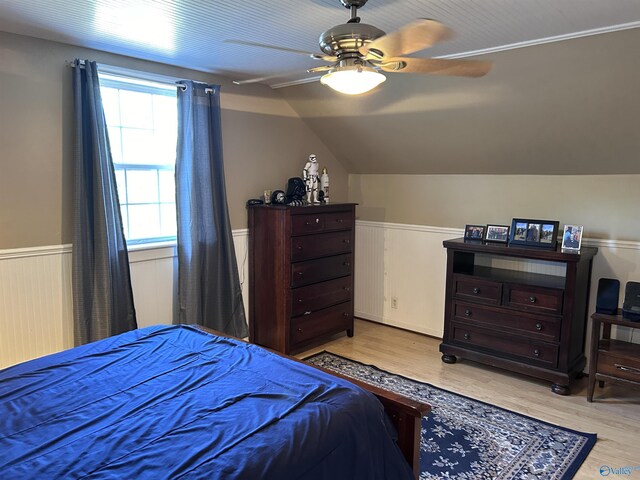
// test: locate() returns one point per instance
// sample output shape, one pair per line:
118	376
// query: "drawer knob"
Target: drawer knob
467	313
346	314
299	300
533	299
347	241
299	247
347	289
538	326
339	220
347	264
300	330
467	336
476	290
536	352
308	312
299	274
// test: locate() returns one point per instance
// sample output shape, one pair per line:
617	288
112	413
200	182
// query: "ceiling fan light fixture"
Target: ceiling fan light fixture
353	80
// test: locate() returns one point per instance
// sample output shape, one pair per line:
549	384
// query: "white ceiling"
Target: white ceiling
192	33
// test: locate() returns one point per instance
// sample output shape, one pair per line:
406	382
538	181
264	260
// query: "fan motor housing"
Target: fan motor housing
348	38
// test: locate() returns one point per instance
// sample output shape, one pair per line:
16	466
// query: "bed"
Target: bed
180	402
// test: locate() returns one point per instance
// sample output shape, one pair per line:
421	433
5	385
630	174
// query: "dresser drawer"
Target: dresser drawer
619	359
321	222
532	351
533	299
485	291
320	295
320	245
321	269
537	326
323	322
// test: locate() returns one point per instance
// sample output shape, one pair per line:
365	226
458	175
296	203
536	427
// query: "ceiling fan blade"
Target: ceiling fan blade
266	77
415	36
315	56
323	68
436	66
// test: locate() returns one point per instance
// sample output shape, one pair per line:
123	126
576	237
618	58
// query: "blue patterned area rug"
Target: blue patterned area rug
466	439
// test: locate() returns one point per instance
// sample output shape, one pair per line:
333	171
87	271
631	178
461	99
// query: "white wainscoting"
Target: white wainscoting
405	262
36	316
35	302
408	263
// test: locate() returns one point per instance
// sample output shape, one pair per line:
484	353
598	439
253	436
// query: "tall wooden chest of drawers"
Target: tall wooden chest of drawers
300	273
502	313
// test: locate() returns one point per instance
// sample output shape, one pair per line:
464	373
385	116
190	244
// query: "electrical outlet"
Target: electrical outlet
394	302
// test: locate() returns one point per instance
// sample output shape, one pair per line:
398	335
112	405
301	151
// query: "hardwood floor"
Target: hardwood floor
614	414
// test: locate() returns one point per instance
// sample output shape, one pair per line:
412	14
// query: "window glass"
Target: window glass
142	122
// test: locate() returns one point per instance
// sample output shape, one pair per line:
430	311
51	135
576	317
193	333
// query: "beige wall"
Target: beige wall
265	142
607	205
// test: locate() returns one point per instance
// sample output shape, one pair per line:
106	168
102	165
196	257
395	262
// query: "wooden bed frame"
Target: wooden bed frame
405	413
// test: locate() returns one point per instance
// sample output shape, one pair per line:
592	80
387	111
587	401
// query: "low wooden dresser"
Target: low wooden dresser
611	360
501	312
301	264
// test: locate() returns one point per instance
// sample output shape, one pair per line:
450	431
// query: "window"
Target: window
142	122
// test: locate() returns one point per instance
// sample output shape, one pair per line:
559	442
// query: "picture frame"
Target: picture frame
529	232
497	233
572	237
474	233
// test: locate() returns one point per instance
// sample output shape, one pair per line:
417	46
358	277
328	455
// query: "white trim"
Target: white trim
137	247
542	41
592	242
608	243
34	251
414	228
168	248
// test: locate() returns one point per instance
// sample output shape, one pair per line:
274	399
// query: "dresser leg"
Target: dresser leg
446	358
560	389
349	332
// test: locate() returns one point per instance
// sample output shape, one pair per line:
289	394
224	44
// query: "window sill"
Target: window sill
145	252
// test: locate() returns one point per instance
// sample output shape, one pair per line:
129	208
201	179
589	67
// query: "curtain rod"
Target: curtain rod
127	72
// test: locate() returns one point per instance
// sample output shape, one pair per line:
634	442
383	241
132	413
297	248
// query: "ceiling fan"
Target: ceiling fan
358	52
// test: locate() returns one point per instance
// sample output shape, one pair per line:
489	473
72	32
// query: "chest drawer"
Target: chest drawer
321	222
477	289
537	326
320	295
323	322
320	245
533	351
533	299
321	269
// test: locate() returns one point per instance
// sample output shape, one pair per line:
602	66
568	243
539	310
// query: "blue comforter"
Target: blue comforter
176	402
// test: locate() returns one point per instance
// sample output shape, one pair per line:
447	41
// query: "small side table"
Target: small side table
612	360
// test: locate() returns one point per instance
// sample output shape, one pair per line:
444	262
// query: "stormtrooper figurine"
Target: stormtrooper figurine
311	179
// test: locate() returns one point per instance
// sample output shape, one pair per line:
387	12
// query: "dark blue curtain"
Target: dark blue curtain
102	295
209	291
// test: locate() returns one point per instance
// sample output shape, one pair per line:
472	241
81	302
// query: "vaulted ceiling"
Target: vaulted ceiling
567	103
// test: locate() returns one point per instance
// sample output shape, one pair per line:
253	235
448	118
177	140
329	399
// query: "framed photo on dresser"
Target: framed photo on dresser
474	233
572	237
497	233
534	233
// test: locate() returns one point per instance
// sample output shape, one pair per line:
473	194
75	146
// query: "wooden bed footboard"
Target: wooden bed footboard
405	413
